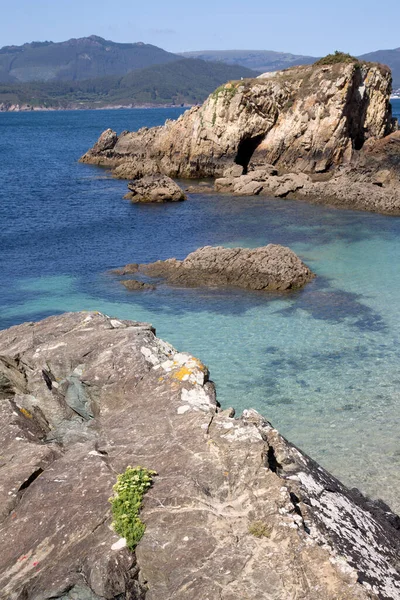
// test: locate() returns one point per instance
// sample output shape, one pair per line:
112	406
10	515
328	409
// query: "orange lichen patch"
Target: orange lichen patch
192	367
26	413
183	373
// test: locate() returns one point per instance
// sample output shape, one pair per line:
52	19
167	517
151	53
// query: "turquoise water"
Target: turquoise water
321	364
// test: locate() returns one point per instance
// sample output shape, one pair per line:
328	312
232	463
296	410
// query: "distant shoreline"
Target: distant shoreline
29	109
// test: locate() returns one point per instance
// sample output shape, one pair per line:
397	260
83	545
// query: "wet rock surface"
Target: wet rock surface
154	188
272	267
235	510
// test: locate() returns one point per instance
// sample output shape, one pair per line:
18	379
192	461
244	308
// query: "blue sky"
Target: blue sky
309	27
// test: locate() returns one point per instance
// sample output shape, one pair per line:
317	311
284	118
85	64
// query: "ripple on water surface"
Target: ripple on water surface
321	364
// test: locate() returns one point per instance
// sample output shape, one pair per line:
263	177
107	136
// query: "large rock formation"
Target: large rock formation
235	510
305	119
271	267
308	119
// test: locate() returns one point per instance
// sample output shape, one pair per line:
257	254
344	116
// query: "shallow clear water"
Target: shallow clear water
322	364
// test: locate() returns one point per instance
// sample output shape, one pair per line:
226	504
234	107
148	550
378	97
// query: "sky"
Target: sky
313	27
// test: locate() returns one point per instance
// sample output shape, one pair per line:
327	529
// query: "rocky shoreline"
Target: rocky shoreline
235	511
323	133
9	107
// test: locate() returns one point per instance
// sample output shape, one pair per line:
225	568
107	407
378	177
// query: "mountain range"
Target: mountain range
266	60
95	72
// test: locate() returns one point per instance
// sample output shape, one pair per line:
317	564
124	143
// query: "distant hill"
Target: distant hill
77	59
185	81
266	60
387	57
259	60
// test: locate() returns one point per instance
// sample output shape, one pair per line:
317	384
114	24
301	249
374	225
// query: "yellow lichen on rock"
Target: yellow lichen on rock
26	413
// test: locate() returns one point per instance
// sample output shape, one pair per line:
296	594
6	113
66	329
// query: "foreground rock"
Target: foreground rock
307	120
155	188
235	511
272	267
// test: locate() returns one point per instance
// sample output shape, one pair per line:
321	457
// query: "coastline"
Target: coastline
27	108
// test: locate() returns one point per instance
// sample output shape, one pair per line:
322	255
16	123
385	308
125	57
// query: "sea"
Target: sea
322	364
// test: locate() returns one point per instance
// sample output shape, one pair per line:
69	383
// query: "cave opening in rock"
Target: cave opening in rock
246	149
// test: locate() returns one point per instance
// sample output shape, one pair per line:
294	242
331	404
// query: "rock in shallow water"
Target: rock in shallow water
272	267
155	188
134	284
235	511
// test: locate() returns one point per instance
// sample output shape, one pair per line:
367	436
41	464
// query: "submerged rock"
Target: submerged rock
126	270
155	188
272	267
236	511
134	284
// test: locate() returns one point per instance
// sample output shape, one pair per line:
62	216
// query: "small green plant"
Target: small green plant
259	529
337	57
129	490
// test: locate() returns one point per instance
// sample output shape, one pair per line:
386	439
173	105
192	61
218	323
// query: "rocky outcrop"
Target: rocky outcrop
371	183
272	267
305	119
311	126
154	188
235	511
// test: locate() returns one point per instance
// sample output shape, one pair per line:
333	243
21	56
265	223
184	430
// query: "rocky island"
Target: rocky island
235	511
272	267
322	132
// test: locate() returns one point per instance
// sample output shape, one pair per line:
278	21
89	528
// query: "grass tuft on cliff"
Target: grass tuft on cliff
129	491
337	57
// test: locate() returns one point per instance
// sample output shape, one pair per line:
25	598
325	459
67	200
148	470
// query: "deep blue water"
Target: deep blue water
321	364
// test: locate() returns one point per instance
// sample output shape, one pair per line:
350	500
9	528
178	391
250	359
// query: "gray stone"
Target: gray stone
235	511
234	171
155	188
271	267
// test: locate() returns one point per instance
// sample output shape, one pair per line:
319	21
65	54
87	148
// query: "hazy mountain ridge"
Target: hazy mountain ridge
77	59
258	60
266	60
92	71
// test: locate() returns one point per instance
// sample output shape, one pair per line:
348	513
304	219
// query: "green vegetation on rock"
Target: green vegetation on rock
129	491
336	57
259	529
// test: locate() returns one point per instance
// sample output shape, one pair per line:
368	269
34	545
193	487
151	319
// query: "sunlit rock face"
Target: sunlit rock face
305	119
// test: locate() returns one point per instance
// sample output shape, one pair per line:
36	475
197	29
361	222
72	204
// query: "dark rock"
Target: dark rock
219	479
126	270
155	188
270	267
134	284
